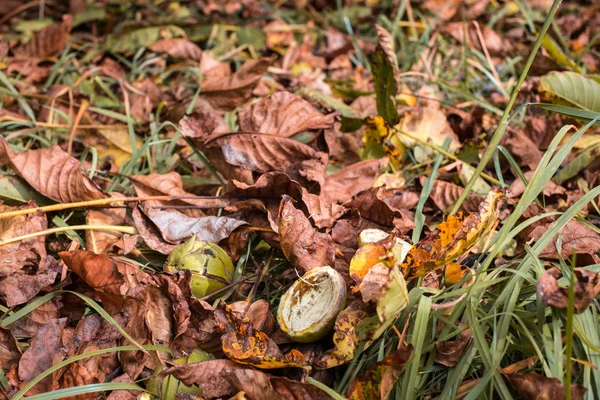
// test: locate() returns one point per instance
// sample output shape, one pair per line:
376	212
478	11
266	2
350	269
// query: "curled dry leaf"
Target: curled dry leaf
265	153
452	238
283	114
40	355
450	352
227	93
344	184
48	42
303	245
10	353
52	172
111	278
444	194
258	385
25	267
150	233
576	238
177	48
492	41
246	345
376	213
323	213
258	314
210	376
379	379
587	287
533	386
175	226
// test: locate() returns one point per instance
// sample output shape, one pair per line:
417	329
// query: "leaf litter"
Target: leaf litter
297	137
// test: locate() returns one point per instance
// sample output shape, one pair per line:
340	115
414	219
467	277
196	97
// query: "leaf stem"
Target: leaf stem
499	133
93	203
114	228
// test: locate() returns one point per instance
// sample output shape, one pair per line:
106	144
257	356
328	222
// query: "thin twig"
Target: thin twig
112	228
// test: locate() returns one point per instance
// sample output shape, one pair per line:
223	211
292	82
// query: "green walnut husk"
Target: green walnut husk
171	387
307	311
211	267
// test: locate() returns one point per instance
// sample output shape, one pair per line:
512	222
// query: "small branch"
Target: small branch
112	228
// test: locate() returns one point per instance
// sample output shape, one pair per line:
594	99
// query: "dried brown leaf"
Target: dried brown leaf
283	114
111	278
265	153
587	287
227	93
210	376
450	352
379	379
258	385
48	42
344	184
108	241
52	172
10	353
40	355
177	48
576	238
304	246
494	43
533	386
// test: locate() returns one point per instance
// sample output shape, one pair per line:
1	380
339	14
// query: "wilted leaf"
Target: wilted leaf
282	114
533	386
210	376
379	379
175	226
376	213
246	345
43	352
576	238
345	338
428	123
264	153
48	42
450	352
304	246
111	278
494	43
177	48
10	353
52	172
229	93
587	287
452	238
575	88
386	76
344	184
258	385
25	267
14	191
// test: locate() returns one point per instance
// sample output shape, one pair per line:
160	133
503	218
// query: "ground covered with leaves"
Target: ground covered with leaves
299	199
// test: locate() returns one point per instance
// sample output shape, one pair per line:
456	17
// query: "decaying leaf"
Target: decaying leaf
533	386
52	172
344	184
283	114
265	153
43	352
210	376
111	278
235	89
452	238
177	48
450	352
246	345
304	246
379	379
587	287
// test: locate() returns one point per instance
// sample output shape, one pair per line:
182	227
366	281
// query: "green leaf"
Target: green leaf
329	102
384	72
573	112
129	42
578	164
575	88
13	191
